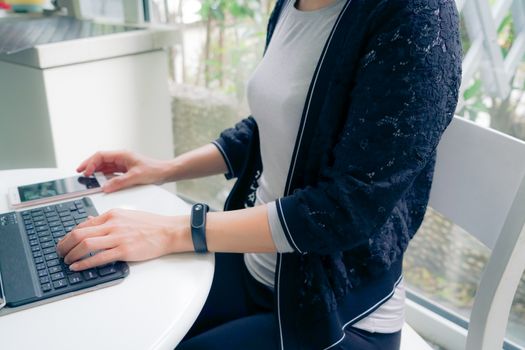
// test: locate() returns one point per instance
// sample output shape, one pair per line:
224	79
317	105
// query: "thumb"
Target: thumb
118	183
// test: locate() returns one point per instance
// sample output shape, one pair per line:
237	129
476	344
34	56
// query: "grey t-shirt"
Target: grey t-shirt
276	96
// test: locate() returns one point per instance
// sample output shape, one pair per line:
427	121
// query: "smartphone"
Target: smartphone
55	190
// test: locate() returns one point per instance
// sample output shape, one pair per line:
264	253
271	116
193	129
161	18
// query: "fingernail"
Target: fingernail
73	267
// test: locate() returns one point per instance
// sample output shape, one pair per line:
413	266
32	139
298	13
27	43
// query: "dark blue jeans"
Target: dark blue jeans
238	314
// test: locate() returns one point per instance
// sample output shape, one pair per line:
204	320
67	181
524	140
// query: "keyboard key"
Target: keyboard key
33	242
44	279
75	278
61	206
42	273
45	239
39	218
64	213
59	234
35	248
51	256
56	228
78	216
31	237
47	245
55	224
69	228
89	274
49	209
43	233
42	228
37	212
55	269
49	250
46	287
59	284
39	222
39	260
69	223
57	276
72	208
106	270
37	254
40	266
51	263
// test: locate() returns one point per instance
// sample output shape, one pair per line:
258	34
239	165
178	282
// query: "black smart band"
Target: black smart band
198	227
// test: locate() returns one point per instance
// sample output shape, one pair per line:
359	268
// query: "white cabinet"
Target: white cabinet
61	102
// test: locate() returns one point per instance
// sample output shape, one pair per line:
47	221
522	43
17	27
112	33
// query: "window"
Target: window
221	43
108	9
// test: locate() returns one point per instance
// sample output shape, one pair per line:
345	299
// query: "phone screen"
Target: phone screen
56	187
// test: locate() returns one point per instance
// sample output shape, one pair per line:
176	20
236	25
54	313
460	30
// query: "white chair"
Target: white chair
479	185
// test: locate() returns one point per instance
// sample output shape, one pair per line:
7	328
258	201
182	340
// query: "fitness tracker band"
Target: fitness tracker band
198	227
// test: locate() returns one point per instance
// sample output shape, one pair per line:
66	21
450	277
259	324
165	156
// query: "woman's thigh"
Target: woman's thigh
358	339
257	332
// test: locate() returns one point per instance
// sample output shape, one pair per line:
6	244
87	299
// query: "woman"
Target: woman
348	106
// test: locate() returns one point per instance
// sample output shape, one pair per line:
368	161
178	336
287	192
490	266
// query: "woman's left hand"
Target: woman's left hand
124	235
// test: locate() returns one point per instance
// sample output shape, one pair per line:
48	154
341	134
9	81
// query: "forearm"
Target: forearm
239	231
200	162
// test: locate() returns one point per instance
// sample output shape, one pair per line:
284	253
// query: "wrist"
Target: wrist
179	235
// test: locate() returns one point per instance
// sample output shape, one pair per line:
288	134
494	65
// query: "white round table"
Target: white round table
152	308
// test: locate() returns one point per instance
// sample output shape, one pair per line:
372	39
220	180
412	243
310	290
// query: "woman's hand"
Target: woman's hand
124	235
137	169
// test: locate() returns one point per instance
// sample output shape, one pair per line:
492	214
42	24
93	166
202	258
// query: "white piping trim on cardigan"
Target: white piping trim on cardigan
311	95
225	156
295	160
279	302
363	313
286	225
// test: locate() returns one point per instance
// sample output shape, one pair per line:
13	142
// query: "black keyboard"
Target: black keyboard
44	227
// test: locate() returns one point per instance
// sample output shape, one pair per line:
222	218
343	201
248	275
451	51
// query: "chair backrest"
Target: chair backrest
479	185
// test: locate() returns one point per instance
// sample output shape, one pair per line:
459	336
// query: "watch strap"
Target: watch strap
198	227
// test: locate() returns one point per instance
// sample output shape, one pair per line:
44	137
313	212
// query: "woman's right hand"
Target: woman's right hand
136	169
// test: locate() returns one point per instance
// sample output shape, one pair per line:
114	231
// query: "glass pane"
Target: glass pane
199	116
110	9
219	48
516	326
444	263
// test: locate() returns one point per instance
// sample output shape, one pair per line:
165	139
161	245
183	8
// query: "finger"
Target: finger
118	183
101	258
92	163
93	221
91	244
110	168
82	166
78	235
96	161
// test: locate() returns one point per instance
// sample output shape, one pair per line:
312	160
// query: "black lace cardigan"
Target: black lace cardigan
385	89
